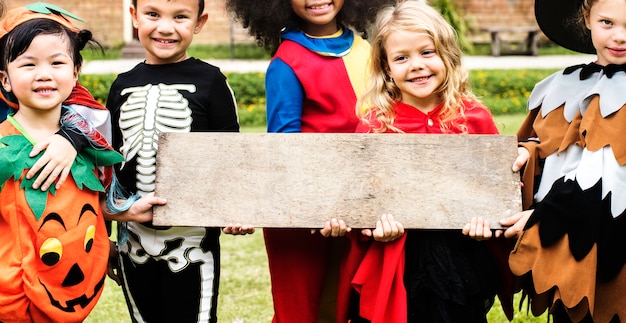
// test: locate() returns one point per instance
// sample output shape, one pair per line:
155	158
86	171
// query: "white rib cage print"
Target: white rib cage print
149	110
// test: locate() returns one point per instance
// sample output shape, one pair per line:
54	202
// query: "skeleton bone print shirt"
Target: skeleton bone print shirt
186	96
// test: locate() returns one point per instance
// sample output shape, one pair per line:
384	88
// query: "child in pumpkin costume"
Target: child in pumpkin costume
54	243
58	153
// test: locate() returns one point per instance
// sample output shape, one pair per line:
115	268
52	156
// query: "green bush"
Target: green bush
503	91
249	88
506	91
98	85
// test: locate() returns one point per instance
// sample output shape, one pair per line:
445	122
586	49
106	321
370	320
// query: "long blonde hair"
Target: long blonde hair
382	93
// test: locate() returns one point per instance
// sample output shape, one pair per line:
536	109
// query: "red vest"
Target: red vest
323	109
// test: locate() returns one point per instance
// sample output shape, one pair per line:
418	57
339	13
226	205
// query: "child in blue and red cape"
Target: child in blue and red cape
312	84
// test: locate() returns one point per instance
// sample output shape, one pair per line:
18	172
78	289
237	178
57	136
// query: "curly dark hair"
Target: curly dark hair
265	19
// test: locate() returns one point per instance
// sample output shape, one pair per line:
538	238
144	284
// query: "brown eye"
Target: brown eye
51	251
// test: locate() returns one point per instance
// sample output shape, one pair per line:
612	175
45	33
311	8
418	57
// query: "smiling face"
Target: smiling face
166	28
416	68
607	22
319	16
43	76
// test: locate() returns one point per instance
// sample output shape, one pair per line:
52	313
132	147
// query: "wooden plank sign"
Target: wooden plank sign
301	180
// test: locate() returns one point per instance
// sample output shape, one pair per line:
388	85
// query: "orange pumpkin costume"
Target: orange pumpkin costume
54	245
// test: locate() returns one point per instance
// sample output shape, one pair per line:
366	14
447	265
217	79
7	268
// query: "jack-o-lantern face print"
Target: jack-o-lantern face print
65	243
55	246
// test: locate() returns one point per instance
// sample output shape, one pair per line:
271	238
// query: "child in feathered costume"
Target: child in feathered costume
571	248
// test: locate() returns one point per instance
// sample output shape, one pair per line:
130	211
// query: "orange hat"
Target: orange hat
16	16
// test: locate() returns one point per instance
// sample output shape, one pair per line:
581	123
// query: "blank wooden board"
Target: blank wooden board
300	180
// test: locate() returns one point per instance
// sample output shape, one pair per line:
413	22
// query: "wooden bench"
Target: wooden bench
528	47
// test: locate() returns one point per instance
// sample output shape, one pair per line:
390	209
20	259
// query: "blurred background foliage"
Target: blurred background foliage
452	14
503	91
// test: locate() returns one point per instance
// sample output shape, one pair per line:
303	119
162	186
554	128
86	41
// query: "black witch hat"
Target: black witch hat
558	20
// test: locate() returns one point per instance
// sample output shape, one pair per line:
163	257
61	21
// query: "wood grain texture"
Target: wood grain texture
301	180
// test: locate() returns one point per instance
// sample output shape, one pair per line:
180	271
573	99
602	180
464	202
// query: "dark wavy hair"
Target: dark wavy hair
17	41
265	19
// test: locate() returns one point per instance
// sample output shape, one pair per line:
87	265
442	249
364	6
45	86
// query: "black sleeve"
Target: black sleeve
223	106
78	140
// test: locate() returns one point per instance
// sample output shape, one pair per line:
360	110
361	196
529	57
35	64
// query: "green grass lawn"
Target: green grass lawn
244	287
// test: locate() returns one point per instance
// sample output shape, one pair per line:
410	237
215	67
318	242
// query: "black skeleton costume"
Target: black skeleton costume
168	270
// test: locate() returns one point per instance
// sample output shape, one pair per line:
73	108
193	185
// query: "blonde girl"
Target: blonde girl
418	85
383	92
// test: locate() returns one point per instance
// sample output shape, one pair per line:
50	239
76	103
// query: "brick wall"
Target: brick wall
219	26
499	12
104	18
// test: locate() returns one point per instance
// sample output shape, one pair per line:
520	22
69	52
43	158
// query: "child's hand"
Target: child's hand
521	160
387	229
478	229
238	229
516	223
55	162
140	211
334	228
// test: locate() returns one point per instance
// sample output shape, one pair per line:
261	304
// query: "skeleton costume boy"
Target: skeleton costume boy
182	262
